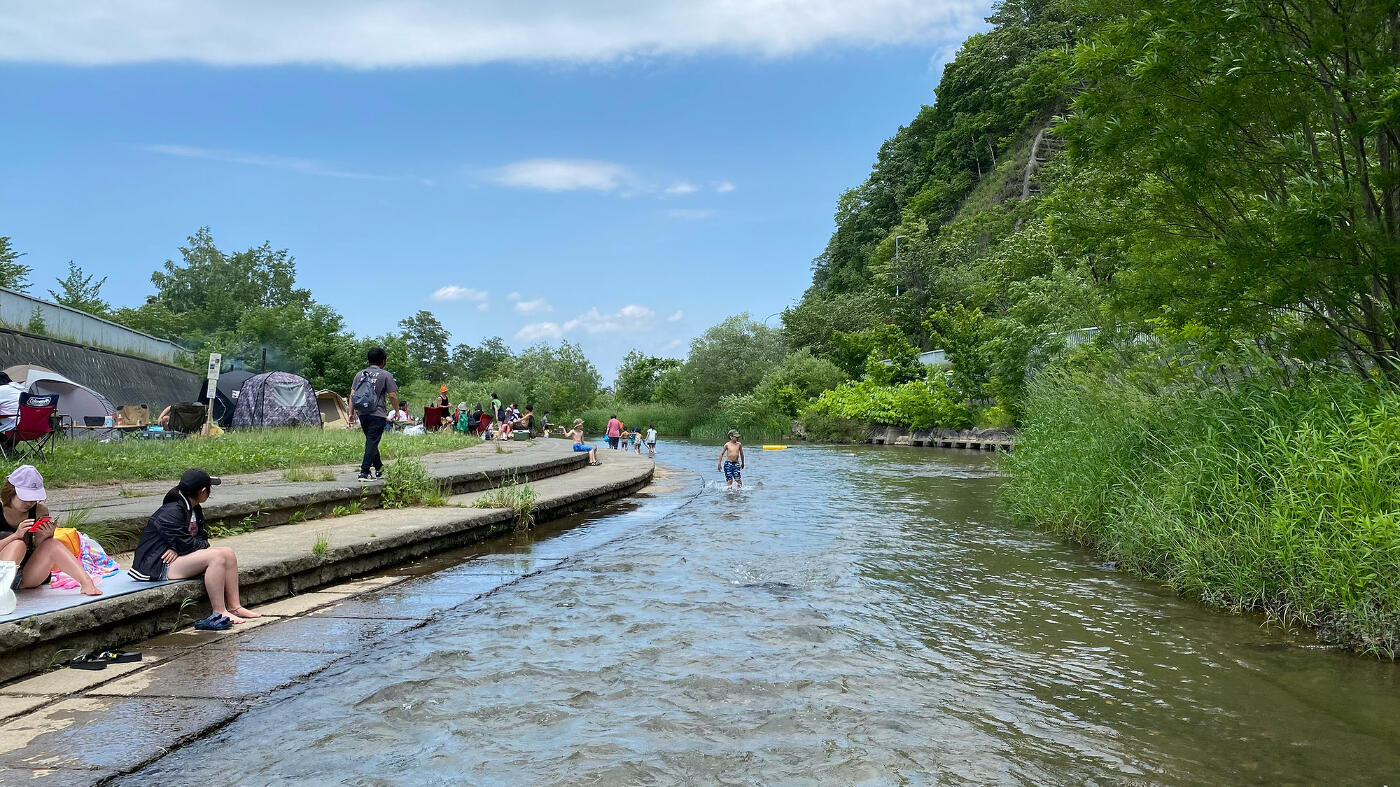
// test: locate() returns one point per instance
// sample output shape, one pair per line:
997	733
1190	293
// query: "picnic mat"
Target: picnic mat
40	600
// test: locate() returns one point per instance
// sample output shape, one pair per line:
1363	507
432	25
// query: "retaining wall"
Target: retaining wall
18	309
125	379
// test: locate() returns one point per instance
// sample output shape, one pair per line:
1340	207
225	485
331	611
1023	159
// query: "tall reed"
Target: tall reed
1245	494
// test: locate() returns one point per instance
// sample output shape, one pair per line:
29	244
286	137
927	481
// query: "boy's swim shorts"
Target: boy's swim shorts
731	471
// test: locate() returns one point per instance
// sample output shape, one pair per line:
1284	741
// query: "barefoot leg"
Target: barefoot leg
208	563
51	553
231	586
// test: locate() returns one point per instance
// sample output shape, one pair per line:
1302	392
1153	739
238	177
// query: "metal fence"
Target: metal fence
27	313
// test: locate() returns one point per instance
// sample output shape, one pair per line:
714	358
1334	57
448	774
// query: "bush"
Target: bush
1247	496
825	428
918	404
995	417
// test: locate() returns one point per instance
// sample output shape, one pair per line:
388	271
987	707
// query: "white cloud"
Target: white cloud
689	213
630	318
304	166
676	317
454	293
681	187
537	306
373	33
483	307
558	174
536	331
724	187
514	296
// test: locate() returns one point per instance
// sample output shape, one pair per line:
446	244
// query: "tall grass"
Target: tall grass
670	420
1245	494
407	483
514	494
84	461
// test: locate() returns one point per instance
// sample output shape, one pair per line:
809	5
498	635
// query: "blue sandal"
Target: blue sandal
213	623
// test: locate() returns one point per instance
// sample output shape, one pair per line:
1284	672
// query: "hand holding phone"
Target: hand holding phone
40	523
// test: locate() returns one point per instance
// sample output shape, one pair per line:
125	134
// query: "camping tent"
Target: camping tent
335	414
275	399
74	400
225	395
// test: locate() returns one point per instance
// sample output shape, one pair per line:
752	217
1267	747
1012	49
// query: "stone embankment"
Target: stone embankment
291	551
974	439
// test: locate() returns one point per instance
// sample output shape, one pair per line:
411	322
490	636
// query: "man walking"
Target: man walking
367	393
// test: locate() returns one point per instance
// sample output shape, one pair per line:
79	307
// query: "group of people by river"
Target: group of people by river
34	550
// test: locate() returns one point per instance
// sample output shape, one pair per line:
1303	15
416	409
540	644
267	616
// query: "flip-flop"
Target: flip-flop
115	657
84	662
213	623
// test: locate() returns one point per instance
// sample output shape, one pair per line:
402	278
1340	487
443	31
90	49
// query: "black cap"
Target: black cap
195	479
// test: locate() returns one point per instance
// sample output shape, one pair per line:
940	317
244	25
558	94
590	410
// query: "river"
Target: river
857	615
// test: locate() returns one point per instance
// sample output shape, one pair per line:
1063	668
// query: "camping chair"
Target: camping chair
187	418
432	418
33	435
135	414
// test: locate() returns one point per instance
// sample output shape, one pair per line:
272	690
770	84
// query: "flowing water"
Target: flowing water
855	615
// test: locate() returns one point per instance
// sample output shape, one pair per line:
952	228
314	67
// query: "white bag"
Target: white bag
416	429
7	593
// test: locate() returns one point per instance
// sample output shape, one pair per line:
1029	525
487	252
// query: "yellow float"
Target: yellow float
775	448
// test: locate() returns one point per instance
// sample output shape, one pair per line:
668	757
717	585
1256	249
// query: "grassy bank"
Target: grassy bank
1247	495
83	461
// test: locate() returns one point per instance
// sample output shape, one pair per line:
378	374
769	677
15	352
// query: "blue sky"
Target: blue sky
610	175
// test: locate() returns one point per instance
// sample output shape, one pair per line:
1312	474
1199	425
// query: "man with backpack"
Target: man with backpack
367	392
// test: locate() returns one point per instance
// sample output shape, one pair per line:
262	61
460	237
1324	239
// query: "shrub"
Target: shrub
516	495
918	404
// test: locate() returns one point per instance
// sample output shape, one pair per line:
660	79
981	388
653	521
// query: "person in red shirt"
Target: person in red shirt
614	431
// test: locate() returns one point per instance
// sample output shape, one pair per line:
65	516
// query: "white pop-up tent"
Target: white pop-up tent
74	399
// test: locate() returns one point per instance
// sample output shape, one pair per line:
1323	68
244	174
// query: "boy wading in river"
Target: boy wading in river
731	460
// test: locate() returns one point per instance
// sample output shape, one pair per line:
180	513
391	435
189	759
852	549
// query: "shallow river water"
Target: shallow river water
854	616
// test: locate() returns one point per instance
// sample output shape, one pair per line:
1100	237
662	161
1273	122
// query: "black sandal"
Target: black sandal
86	662
115	657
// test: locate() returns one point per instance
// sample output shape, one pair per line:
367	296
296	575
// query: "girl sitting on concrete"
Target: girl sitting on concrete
35	552
175	545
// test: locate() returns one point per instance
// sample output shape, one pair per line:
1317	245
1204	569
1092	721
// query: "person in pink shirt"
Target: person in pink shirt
614	431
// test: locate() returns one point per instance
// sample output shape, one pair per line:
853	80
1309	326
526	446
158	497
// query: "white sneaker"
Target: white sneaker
7	593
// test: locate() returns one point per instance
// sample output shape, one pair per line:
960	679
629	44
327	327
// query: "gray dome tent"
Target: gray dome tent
275	399
75	400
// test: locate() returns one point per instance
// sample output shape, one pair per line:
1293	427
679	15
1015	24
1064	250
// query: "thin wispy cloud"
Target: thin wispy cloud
690	214
536	306
724	187
452	292
558	174
301	165
677	316
681	188
630	318
372	33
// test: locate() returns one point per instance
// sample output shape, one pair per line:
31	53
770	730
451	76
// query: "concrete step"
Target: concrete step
266	499
278	562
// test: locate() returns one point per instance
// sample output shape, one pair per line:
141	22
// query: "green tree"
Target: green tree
638	376
730	358
77	290
13	274
427	341
559	379
209	291
489	360
1240	163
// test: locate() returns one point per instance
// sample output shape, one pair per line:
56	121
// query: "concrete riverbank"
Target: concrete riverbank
279	560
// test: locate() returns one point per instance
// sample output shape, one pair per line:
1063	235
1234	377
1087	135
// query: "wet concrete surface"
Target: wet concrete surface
319	635
404	606
219	674
105	734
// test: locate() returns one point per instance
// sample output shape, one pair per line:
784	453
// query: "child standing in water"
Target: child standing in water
731	460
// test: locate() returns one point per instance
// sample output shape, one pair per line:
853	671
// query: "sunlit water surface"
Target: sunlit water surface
854	616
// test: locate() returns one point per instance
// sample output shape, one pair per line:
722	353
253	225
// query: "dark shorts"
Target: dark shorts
612	442
731	471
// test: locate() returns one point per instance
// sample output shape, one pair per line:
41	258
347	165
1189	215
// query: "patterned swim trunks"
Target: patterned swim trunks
731	471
